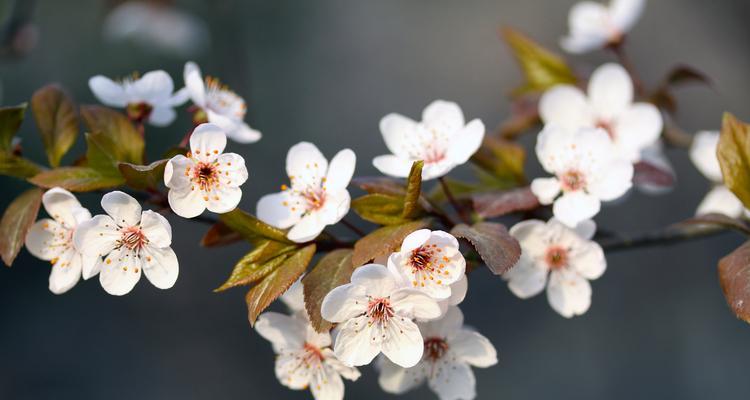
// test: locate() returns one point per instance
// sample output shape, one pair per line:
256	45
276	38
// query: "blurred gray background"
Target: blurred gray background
326	71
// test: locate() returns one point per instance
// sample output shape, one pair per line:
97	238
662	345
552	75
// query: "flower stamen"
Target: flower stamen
556	257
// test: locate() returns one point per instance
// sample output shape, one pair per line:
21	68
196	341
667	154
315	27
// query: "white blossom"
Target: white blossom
221	106
131	241
560	258
633	127
587	171
450	350
207	177
52	240
428	261
720	199
317	195
305	358
147	98
375	315
442	140
594	25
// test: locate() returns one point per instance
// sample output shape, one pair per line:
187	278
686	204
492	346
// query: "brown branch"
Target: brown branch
664	237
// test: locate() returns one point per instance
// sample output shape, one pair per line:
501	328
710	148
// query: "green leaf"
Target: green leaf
77	179
384	241
10	121
498	249
16	221
277	282
257	264
219	235
333	270
57	120
504	160
381	209
251	228
118	138
412	208
734	277
17	166
143	176
541	68
719	220
734	156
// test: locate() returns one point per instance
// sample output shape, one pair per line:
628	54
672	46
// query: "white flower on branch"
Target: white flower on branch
560	258
317	194
52	240
131	241
375	315
305	358
207	177
593	25
587	171
450	350
442	140
220	105
428	261
147	98
720	199
633	127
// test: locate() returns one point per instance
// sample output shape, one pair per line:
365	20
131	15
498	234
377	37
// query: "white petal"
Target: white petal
637	128
156	228
340	170
612	181
466	142
336	206
526	278
122	207
121	270
414	304
703	154
473	348
326	384
66	272
625	13
453	381
458	291
294	297
610	90
177	171
588	259
307	229
224	199
554	148
186	203
292	370
586	229
581	43
276	210
154	87
397	380
396	130
530	235
588	22
444	327
59	204
344	302
108	91
92	265
162	116
354	345
178	98
207	141
305	162
403	342
393	165
284	332
344	370
80	215
241	132
45	239
443	116
97	236
565	106
160	266
415	239
194	83
232	169
436	170
376	278
568	293
574	207
545	189
721	200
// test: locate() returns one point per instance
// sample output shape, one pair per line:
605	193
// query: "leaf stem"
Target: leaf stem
353	227
459	210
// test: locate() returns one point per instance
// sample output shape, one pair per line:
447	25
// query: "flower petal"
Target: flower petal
394	166
59	204
186	203
625	13
121	270
344	370
397	380
284	332
444	327
207	141
588	259
574	207
241	132
232	169
277	209
66	272
458	291
568	293
122	207
583	43
376	278
224	199
154	87
721	200
415	239
194	83
305	163
638	127
162	116
466	142
565	106
612	181
177	172
610	91
344	302
292	370
585	229
97	236
307	229
414	304
527	278
587	22
46	239
160	266
156	228
340	170
396	130
92	265
453	380
403	342
443	116
326	383
703	154
108	91
474	349
354	343
545	189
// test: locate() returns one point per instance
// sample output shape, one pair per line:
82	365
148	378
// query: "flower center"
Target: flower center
138	112
435	348
313	353
314	198
379	310
132	238
557	257
573	180
607	126
427	265
205	175
221	99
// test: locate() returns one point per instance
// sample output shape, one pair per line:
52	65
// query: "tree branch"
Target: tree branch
668	236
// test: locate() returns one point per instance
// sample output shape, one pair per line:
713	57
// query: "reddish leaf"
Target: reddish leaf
499	250
383	241
496	204
57	119
380	185
646	173
16	221
219	235
734	277
333	270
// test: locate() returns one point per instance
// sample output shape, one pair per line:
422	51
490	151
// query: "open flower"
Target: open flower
317	196
442	140
207	177
375	315
147	98
428	261
587	171
219	105
305	358
130	241
450	350
633	127
567	256
720	199
593	25
52	240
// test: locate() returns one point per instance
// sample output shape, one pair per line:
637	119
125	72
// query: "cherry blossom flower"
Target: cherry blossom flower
305	358
131	241
147	98
207	177
720	199
594	25
375	315
633	127
450	350
294	297
218	105
587	171
428	261
52	240
560	258
442	140
317	196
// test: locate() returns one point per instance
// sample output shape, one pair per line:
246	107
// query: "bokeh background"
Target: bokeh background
326	71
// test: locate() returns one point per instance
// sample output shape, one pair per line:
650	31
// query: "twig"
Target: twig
667	236
452	200
618	49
